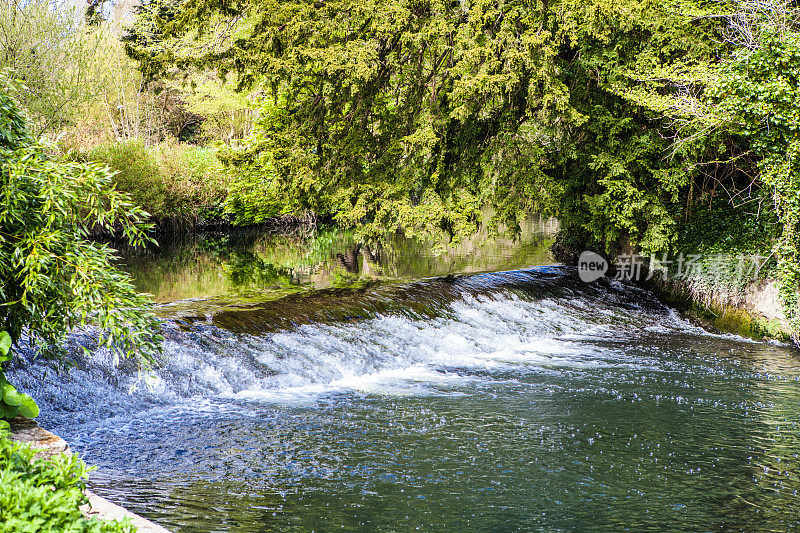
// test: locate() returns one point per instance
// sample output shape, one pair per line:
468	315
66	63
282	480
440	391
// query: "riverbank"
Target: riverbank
731	290
754	311
50	445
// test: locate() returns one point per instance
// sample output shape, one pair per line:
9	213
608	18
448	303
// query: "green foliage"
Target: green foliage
12	402
44	496
415	115
136	173
758	98
226	116
625	65
121	107
169	181
144	38
718	228
54	278
430	96
13	130
46	47
622	118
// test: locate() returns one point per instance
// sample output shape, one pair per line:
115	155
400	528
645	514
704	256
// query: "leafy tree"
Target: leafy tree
48	48
53	277
415	114
622	118
758	98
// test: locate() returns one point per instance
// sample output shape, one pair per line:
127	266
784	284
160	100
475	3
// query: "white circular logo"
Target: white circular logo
591	266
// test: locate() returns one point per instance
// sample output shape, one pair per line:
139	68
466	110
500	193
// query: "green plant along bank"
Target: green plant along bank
38	495
53	277
12	402
44	496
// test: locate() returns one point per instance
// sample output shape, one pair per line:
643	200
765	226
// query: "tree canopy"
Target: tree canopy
416	114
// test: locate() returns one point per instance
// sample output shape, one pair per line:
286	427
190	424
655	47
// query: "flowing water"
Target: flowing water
521	400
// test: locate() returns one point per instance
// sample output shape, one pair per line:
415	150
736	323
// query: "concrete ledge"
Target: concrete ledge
28	431
99	507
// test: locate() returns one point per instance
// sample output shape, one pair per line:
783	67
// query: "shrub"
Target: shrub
137	173
193	177
52	277
170	181
42	496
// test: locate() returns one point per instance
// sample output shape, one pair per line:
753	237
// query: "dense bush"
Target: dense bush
758	98
43	496
54	279
137	173
417	114
170	181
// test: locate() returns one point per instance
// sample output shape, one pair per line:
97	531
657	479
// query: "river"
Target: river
309	384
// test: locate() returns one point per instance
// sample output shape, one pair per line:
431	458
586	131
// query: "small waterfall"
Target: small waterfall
412	338
538	399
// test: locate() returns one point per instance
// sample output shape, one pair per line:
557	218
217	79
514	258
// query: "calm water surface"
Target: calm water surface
522	400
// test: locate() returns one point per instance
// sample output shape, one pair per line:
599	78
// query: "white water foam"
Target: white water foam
479	340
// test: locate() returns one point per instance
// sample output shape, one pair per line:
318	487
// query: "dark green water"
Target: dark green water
522	400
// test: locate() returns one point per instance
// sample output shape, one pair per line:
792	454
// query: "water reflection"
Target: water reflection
257	263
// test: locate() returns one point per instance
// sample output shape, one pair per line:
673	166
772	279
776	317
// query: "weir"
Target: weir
459	402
